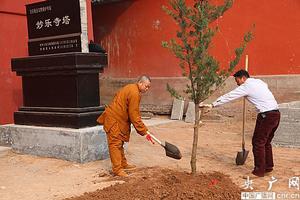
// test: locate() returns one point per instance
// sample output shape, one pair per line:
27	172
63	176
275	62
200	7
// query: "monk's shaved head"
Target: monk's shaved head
144	78
144	83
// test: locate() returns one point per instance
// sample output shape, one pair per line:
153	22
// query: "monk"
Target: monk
117	118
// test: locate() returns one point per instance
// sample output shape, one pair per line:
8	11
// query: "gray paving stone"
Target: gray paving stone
190	113
4	151
288	132
177	109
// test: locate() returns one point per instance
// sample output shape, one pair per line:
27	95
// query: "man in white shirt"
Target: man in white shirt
257	92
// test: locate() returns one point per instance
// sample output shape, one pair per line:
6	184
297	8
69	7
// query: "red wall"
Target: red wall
132	31
13	43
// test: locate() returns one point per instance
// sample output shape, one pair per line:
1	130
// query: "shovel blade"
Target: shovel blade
172	151
241	157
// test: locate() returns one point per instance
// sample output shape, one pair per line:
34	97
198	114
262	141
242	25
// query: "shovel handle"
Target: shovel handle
244	110
244	120
155	139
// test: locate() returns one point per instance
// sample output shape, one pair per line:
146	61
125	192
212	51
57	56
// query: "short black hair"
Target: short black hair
241	73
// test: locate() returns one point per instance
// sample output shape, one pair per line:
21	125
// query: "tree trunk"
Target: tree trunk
195	141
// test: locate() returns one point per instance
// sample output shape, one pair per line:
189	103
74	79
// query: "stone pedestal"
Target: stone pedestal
60	90
78	145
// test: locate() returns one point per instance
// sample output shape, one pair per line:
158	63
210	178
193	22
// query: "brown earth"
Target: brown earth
160	183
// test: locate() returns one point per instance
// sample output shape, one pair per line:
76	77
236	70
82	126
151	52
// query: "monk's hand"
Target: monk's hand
149	138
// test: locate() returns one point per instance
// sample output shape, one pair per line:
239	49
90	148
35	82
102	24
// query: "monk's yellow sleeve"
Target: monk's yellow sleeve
134	113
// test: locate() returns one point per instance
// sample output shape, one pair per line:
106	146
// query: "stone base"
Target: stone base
78	145
5	138
58	117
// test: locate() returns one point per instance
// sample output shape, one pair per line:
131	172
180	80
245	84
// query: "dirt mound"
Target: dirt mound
157	183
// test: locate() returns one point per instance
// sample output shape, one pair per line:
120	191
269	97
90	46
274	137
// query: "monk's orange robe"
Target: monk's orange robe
123	111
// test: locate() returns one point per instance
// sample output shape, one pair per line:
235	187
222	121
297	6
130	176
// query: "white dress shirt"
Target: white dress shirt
256	91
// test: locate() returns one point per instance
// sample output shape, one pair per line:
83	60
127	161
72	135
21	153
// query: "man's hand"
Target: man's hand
149	138
205	107
202	105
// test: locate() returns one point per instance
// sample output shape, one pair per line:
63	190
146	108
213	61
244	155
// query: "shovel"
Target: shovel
171	150
242	155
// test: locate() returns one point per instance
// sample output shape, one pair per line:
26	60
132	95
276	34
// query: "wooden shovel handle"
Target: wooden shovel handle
155	139
244	110
244	120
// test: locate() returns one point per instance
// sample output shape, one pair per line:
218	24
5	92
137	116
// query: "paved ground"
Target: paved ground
33	178
4	149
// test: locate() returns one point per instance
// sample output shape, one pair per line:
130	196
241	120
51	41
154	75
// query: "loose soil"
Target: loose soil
159	183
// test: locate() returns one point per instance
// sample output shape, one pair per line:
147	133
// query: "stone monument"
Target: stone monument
60	81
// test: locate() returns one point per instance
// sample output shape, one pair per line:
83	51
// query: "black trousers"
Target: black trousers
266	125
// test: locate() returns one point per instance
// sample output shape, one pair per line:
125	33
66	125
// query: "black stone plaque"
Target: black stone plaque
61	45
51	18
54	26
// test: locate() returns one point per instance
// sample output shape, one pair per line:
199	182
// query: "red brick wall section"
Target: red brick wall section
13	43
132	32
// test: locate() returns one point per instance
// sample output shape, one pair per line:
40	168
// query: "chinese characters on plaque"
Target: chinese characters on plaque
56	22
53	27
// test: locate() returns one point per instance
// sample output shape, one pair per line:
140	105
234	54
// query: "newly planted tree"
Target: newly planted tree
192	48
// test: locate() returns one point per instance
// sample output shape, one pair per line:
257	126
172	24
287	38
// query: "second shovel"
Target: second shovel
242	155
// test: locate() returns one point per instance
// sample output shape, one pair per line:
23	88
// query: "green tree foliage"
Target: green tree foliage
191	47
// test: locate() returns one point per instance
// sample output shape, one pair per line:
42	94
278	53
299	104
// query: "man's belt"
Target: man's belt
266	112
